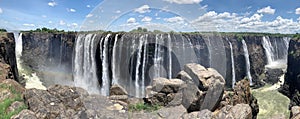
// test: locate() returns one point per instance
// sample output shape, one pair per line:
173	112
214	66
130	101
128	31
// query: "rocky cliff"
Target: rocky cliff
291	85
8	64
44	50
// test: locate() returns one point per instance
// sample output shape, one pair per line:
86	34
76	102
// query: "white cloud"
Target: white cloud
146	19
88	6
50	22
52	3
71	10
131	20
118	11
266	10
1	11
29	25
297	11
175	19
61	22
232	22
44	16
143	9
184	1
89	15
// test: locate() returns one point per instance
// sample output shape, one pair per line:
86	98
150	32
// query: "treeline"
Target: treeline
46	30
3	30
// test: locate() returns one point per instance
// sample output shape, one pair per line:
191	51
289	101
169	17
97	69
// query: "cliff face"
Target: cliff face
8	64
44	50
291	85
49	54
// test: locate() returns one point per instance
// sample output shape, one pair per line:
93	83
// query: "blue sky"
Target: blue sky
275	16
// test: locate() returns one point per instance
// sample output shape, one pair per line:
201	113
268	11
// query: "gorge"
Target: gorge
96	61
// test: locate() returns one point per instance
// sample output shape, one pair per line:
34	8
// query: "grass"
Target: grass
143	107
4	105
271	103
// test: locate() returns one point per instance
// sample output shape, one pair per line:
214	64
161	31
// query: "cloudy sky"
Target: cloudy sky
275	16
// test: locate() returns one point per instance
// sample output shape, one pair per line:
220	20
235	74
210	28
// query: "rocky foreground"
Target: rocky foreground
197	93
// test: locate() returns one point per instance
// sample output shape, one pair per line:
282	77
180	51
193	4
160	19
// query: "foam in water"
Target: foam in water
232	64
246	54
32	81
84	64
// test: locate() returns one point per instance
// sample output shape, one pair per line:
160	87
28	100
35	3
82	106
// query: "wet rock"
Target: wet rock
5	89
25	114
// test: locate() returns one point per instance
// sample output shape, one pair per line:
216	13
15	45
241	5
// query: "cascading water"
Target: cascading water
232	63
269	50
114	71
246	54
276	51
32	80
105	75
84	63
170	56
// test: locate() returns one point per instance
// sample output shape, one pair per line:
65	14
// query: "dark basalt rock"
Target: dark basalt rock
8	61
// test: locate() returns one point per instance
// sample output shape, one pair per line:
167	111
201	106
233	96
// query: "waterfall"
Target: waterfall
113	64
276	51
269	50
157	56
170	56
138	65
144	66
84	63
246	54
105	74
232	63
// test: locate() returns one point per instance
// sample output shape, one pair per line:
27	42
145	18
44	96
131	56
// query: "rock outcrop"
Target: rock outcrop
8	63
291	86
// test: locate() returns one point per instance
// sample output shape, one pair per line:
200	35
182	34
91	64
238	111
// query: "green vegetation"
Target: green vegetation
46	30
296	36
8	101
143	106
139	30
3	30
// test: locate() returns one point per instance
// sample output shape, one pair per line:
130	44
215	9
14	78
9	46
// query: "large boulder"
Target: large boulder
208	80
167	86
165	92
192	97
116	89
